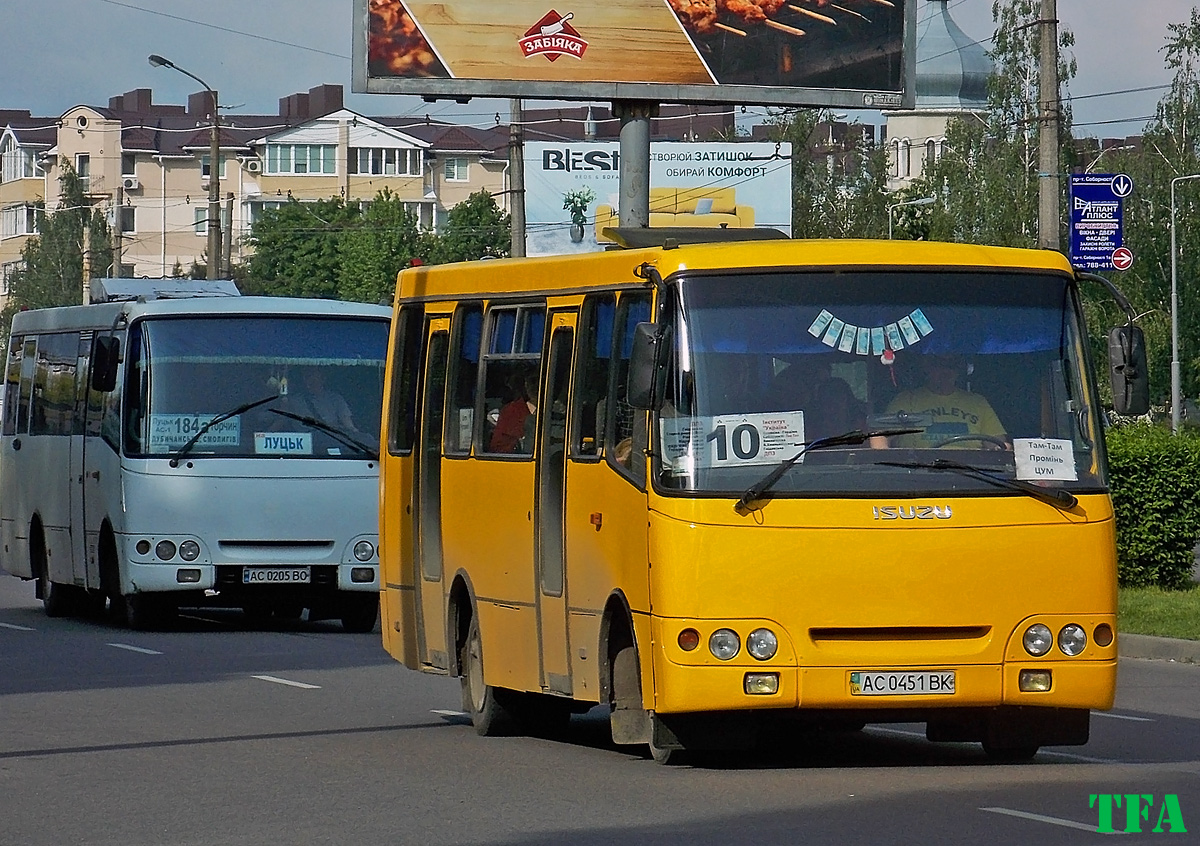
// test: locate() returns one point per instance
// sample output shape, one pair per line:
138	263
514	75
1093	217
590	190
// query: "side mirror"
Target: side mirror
646	374
1130	375
106	351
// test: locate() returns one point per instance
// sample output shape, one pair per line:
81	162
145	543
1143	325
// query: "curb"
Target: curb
1161	648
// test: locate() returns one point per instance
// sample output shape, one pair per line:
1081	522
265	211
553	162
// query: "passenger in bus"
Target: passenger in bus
515	425
829	405
954	411
314	399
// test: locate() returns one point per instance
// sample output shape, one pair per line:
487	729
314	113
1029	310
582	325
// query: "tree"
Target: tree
297	249
373	252
53	262
987	178
475	228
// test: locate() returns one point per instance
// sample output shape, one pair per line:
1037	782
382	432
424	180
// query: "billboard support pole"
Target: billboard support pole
516	183
635	118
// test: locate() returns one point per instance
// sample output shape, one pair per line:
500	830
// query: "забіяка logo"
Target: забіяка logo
552	37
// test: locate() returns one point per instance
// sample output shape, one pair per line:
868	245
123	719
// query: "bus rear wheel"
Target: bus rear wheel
482	701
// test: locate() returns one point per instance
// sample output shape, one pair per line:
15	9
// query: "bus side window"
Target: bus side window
464	378
402	417
510	377
28	367
591	379
52	406
626	436
12	384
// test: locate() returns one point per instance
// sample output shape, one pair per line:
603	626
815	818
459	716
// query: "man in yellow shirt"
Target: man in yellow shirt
953	411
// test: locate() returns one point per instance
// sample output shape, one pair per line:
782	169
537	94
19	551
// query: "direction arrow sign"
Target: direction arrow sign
1122	185
1122	258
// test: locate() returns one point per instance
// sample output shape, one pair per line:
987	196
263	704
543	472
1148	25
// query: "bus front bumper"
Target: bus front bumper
162	578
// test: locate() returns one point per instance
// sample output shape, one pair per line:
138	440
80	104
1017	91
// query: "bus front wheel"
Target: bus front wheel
359	612
488	715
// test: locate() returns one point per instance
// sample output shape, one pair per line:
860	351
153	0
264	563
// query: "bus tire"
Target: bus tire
482	701
145	612
359	611
57	600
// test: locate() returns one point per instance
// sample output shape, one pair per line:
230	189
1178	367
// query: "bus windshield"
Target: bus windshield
982	368
254	386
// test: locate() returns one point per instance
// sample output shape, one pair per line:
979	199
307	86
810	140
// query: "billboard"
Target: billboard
849	53
691	184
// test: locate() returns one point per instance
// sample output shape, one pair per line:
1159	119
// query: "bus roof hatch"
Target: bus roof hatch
112	290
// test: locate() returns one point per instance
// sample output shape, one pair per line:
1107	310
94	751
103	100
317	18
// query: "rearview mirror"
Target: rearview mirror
1130	375
646	374
106	351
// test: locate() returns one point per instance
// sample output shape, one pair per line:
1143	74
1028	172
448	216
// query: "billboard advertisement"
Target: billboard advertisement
849	53
572	190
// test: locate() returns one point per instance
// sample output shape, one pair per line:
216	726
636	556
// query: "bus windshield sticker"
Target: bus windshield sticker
283	443
818	325
1045	458
168	431
690	443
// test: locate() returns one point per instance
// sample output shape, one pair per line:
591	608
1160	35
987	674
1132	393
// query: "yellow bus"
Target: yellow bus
721	489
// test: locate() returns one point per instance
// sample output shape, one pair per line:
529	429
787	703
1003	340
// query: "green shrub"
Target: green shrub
1156	494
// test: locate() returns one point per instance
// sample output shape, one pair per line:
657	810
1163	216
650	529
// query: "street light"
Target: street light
214	170
1176	399
924	201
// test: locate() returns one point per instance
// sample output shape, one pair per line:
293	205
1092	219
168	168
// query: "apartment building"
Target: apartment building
147	165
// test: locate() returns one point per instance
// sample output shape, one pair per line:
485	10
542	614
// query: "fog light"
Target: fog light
761	684
689	639
1038	639
1072	639
1033	681
187	577
143	547
762	644
1103	635
724	644
362	574
189	550
363	550
164	550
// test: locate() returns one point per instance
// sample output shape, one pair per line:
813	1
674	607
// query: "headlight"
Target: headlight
762	644
164	550
189	550
724	644
363	550
1072	639
1038	639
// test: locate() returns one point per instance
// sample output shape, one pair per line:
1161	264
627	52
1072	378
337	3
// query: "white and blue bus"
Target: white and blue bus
161	452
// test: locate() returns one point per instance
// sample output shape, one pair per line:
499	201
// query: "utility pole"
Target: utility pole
118	199
516	179
1048	160
227	231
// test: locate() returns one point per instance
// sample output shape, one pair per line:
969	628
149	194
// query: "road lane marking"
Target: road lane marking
1025	815
135	649
442	713
288	682
15	627
1121	717
900	732
1083	758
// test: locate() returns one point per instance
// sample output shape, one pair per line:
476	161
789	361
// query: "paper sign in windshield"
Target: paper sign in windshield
691	443
168	431
1045	458
283	443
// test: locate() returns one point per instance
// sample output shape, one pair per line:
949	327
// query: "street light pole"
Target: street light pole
1176	391
924	201
214	170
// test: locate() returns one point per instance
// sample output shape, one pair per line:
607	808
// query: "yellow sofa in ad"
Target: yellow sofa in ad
684	207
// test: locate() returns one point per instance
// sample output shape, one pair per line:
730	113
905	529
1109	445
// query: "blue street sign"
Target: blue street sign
1097	216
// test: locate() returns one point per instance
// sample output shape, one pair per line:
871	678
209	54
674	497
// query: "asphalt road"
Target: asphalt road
222	733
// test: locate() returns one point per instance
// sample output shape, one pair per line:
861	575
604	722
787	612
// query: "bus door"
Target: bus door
78	468
427	579
554	647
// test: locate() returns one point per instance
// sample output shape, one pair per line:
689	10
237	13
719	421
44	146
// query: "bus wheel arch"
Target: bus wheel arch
620	675
110	564
489	707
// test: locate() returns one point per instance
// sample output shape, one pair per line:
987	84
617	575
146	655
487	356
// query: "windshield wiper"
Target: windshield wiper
220	418
1057	497
851	438
331	430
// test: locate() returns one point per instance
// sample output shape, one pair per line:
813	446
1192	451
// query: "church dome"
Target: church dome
952	69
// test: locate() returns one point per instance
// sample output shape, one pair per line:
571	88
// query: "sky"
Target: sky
56	54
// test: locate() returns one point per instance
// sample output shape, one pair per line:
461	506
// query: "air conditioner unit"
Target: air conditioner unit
253	165
130	183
